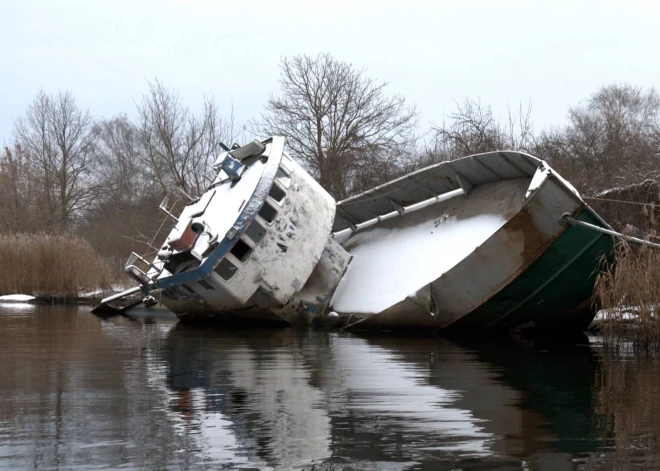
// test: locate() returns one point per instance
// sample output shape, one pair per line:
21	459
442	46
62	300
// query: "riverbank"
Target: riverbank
53	268
628	292
83	298
65	270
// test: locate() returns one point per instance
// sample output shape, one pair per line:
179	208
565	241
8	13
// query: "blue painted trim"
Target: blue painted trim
232	167
250	211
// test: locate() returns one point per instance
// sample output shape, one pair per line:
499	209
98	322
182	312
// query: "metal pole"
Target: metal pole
567	218
120	295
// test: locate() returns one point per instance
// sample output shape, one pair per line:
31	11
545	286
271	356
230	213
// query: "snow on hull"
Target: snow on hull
399	257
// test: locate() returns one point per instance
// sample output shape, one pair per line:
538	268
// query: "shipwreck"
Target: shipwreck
490	241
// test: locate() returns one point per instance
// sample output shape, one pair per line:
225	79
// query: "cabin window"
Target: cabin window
267	212
277	193
225	269
255	232
287	163
179	291
283	177
261	297
170	293
206	284
189	289
241	250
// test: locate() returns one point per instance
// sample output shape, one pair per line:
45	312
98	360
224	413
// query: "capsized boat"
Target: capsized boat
481	242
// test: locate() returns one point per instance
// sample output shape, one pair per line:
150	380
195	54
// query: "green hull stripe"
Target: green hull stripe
550	291
549	280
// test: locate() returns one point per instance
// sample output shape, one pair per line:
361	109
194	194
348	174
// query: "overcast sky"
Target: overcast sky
554	53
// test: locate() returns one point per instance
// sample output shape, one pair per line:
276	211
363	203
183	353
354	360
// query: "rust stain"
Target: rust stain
522	226
546	242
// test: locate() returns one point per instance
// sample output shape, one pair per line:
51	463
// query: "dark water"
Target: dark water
79	392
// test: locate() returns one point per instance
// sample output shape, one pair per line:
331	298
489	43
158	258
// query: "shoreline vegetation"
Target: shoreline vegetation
628	293
65	269
53	268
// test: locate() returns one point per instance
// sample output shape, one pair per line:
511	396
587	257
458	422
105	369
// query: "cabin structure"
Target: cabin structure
250	243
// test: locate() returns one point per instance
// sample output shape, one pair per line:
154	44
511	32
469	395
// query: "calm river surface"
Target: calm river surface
80	392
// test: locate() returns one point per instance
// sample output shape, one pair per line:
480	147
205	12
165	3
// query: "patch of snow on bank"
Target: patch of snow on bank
16	298
623	313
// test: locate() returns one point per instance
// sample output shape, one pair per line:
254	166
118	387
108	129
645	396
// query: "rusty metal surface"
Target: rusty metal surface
185	240
532	226
506	255
431	181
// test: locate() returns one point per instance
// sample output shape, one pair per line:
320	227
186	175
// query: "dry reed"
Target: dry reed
53	266
629	291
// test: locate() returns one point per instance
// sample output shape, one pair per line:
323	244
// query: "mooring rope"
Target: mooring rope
567	218
620	201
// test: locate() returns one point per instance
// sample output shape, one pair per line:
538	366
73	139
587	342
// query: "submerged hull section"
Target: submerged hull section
531	270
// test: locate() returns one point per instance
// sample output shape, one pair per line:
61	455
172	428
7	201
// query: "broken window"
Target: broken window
206	284
179	291
277	193
283	177
267	212
183	290
170	293
225	269
255	232
260	297
241	250
287	163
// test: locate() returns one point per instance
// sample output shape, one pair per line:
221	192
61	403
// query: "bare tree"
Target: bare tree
60	139
612	138
178	147
126	207
120	162
473	129
337	122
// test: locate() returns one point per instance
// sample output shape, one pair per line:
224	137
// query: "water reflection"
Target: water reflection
626	399
78	391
